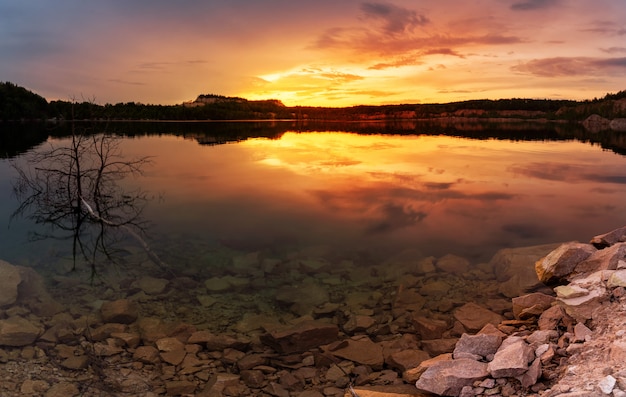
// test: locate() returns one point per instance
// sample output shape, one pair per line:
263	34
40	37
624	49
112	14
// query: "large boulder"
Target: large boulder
514	268
596	123
448	377
561	262
24	286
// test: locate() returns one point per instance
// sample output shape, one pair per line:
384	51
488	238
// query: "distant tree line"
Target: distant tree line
17	103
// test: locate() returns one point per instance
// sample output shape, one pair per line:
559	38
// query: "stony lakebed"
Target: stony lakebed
543	320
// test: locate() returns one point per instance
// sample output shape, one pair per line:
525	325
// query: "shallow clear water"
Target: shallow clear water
344	196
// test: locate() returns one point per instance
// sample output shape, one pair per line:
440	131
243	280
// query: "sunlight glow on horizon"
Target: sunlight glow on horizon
323	53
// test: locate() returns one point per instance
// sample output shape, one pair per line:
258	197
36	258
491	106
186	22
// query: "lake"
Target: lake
236	199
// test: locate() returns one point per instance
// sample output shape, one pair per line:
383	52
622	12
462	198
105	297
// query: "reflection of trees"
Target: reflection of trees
76	188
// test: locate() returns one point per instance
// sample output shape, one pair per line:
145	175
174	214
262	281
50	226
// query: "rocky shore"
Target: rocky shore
534	321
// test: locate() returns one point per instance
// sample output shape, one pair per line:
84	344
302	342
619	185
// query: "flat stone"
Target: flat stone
34	387
152	285
217	284
146	354
413	374
361	351
179	387
120	311
511	359
9	280
17	331
383	391
75	362
610	238
406	359
173	357
409	299
481	344
303	298
253	378
447	378
429	328
474	317
436	347
561	262
63	389
358	323
169	344
570	291
436	288
528	305
453	264
301	337
217	342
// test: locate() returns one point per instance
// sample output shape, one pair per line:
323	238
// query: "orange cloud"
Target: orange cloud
571	66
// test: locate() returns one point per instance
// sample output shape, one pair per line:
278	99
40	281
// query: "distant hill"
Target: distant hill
17	103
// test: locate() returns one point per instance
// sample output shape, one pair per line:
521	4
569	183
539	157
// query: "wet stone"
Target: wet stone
253	378
152	285
429	328
301	337
121	311
17	331
177	388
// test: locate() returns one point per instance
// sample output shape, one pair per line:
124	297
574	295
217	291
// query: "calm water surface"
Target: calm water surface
353	196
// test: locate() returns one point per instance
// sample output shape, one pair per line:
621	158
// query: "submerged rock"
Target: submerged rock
9	280
17	331
301	337
514	268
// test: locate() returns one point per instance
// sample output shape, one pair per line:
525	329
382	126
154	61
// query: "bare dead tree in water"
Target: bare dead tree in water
76	188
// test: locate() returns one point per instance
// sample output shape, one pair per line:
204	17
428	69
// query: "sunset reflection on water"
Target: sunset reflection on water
383	193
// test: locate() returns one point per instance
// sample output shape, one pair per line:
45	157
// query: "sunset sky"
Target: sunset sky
322	52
